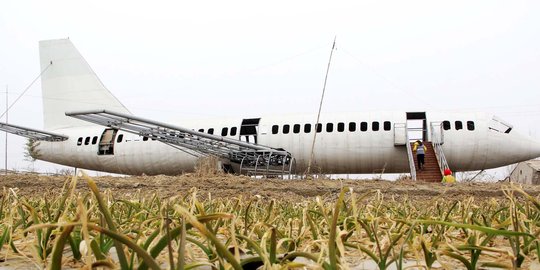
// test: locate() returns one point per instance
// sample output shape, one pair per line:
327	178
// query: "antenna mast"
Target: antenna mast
6	155
308	171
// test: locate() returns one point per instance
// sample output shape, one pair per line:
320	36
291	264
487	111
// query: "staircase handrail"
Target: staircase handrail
409	152
411	160
437	141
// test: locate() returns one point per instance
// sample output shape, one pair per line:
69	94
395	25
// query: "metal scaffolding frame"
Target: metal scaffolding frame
248	155
38	135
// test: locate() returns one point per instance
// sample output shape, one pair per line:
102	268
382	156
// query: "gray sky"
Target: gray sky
184	59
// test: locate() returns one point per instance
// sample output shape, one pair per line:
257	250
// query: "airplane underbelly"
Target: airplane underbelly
79	157
154	158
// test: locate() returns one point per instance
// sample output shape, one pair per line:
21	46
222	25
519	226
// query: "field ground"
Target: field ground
234	186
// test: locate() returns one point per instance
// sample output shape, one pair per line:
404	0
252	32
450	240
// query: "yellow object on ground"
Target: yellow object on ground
448	179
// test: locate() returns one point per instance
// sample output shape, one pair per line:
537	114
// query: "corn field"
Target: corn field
81	229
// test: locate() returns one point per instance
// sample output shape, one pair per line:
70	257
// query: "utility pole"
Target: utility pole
6	154
308	171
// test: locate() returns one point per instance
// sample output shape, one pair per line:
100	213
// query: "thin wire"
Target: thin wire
308	171
25	90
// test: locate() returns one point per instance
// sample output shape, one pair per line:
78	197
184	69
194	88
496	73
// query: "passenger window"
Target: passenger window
79	141
352	126
459	125
86	140
363	126
275	129
470	125
120	138
210	131
224	131
201	130
307	128
319	128
94	140
387	126
329	127
375	126
286	129
446	125
340	127
233	131
296	128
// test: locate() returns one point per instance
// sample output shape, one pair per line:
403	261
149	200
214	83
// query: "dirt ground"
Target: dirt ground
31	185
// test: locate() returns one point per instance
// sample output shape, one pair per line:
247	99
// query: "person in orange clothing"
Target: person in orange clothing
448	178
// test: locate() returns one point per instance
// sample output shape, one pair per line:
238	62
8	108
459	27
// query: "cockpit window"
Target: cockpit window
499	125
470	125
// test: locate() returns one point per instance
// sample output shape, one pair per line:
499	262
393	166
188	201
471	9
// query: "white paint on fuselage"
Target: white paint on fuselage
335	152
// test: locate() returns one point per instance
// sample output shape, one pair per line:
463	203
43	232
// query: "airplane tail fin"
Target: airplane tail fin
69	83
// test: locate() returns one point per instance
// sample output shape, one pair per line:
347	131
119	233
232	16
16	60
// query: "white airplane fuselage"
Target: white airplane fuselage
341	150
346	143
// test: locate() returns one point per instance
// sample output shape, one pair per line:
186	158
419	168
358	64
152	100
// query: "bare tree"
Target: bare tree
30	150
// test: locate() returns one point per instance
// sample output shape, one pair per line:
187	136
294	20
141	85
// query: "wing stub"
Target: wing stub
35	134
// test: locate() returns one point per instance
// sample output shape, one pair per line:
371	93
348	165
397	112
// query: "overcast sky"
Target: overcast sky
183	59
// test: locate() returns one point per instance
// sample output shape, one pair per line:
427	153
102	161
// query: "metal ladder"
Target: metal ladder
254	159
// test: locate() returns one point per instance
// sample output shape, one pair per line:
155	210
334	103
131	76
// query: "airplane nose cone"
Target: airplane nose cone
521	148
534	149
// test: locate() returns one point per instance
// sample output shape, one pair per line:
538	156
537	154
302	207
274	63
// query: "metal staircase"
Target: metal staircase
252	159
435	160
416	128
431	171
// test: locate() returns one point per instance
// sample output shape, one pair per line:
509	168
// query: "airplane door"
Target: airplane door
106	143
249	130
400	134
437	135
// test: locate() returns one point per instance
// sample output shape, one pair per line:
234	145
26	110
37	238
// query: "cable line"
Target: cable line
25	90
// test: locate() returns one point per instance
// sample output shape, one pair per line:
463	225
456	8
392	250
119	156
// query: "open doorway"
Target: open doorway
417	126
249	130
106	143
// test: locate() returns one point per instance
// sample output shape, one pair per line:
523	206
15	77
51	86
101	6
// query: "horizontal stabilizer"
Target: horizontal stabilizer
38	135
235	150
